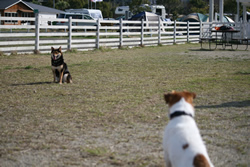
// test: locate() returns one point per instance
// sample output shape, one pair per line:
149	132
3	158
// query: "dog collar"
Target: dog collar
179	113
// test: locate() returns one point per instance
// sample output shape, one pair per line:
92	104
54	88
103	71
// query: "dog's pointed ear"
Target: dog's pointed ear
60	49
193	94
52	48
167	97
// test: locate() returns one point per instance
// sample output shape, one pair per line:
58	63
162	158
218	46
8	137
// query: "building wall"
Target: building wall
17	7
46	15
17	10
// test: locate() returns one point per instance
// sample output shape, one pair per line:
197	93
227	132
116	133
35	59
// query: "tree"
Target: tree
77	4
107	9
62	5
36	2
230	6
49	3
199	6
136	6
171	6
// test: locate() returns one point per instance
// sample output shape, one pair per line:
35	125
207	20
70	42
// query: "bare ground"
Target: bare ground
113	114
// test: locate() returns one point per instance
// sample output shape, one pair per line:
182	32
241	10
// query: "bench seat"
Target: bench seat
240	41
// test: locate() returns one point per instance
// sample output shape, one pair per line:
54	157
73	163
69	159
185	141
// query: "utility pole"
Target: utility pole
211	10
221	7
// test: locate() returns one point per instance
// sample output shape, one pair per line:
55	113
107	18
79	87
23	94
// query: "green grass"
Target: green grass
115	105
96	151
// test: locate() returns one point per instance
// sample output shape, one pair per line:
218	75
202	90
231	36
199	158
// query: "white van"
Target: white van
76	16
95	13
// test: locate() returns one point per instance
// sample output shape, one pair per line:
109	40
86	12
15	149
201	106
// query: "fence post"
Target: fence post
175	32
200	29
98	34
70	33
210	30
0	21
37	27
159	30
241	29
142	32
121	34
187	31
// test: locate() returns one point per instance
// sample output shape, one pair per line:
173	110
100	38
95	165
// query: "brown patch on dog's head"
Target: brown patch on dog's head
174	97
59	49
200	161
56	53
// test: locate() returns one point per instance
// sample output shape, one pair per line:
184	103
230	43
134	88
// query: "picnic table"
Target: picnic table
225	38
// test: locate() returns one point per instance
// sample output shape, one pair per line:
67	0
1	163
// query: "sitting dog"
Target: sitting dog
182	142
59	67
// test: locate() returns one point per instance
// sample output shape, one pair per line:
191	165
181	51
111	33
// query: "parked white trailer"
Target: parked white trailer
157	9
121	10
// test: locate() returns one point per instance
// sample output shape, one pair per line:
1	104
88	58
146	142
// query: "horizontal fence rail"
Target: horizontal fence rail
75	34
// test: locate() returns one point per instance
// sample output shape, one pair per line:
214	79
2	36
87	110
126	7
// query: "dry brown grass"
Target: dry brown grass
114	114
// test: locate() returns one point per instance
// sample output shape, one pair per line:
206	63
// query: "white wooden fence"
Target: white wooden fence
75	34
84	35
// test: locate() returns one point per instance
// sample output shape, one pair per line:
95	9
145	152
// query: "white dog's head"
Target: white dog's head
174	97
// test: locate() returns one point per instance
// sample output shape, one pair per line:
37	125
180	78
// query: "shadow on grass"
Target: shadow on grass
32	83
201	49
238	104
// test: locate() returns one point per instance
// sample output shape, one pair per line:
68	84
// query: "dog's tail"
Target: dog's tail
67	78
200	161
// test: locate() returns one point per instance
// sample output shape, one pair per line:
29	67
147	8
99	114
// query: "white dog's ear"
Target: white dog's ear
189	97
60	49
167	97
191	94
194	95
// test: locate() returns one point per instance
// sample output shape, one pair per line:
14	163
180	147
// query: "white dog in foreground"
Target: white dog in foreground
182	142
